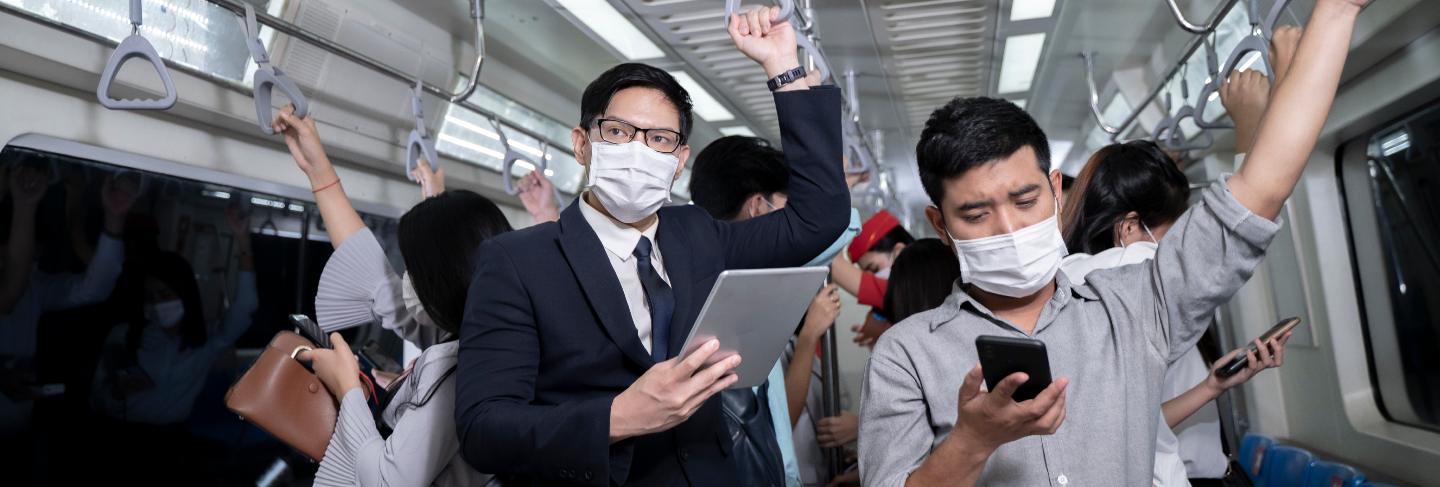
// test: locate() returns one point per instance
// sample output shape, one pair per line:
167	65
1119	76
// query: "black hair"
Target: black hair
438	240
891	239
731	169
920	279
969	132
175	273
629	75
1120	178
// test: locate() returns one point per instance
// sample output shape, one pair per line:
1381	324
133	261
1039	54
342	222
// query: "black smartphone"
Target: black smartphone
1241	361
307	328
1002	356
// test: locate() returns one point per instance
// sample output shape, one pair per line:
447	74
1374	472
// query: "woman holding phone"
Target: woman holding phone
437	240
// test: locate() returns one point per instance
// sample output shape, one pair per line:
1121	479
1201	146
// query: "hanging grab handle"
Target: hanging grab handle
787	9
132	47
511	156
1185	23
268	77
1258	42
1210	88
808	45
420	144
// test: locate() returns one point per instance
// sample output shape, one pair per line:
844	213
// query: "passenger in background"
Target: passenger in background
537	194
737	178
437	241
871	253
1124	201
1113	335
569	364
26	292
921	278
154	365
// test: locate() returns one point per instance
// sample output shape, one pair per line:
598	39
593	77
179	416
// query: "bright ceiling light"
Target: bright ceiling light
1022	55
606	22
737	130
706	106
1031	9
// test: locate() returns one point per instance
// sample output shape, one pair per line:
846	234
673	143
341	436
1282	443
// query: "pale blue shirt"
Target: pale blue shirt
780	415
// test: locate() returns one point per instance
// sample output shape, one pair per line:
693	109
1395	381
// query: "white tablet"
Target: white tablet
754	313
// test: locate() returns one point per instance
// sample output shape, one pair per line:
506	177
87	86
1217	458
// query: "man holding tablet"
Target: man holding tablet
568	371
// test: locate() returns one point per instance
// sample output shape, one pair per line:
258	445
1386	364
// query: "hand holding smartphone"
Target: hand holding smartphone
1002	356
1241	360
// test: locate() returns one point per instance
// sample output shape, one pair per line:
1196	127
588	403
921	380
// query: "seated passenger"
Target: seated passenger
570	371
437	241
924	424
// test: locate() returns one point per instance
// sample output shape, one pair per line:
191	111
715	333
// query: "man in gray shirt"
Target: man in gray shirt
926	421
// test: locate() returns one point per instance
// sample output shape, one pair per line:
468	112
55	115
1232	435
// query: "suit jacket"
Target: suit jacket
548	342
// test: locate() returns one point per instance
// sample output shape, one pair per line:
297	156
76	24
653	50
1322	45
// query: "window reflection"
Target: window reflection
129	303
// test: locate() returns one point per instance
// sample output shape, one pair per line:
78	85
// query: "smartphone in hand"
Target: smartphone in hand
1241	361
307	328
1002	356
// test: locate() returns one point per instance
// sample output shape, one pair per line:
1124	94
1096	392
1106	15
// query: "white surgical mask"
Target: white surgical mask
166	314
883	274
632	181
412	301
1015	264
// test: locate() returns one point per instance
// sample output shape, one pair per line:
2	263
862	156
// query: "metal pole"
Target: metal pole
830	397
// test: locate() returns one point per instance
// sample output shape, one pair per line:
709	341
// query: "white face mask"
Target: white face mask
412	301
883	274
631	180
1015	264
166	314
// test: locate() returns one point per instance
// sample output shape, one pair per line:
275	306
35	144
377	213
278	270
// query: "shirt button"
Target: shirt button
684	455
1063	479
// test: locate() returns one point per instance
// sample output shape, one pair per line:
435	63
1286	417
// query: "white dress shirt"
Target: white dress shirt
620	240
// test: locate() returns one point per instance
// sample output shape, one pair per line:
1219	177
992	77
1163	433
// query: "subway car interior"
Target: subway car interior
160	166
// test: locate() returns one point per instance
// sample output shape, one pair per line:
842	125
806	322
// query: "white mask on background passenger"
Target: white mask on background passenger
631	180
883	274
166	314
412	301
1015	264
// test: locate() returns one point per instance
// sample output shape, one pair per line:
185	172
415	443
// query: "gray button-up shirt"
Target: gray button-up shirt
1112	337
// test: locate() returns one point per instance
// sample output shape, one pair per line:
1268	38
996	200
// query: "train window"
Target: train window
471	137
195	34
131	301
1391	180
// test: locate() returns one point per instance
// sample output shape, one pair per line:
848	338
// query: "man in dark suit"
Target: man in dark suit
569	370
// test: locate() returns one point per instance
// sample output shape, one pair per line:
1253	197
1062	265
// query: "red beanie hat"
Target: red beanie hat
873	229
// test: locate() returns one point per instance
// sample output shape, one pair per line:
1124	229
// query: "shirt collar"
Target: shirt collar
617	238
959	299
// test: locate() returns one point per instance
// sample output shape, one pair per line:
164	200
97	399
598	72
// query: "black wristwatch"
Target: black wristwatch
786	78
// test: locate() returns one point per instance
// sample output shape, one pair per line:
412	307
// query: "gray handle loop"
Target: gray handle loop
1175	138
268	77
1210	88
859	153
419	144
511	155
1256	42
808	45
787	9
135	46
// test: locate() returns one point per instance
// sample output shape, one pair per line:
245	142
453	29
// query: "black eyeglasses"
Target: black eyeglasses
664	141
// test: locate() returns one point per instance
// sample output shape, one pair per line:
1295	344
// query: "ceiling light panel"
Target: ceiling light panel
607	23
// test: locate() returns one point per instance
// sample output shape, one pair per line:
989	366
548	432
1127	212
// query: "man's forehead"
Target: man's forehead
996	180
644	108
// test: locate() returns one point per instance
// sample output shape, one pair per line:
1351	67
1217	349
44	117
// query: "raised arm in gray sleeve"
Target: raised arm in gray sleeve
1202	261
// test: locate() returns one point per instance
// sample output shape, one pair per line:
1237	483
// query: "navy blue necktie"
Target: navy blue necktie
661	298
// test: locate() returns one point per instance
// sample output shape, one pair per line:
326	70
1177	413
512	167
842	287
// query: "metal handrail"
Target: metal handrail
271	21
1188	51
1186	25
1095	94
477	13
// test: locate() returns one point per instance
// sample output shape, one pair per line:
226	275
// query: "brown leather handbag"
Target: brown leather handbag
285	399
